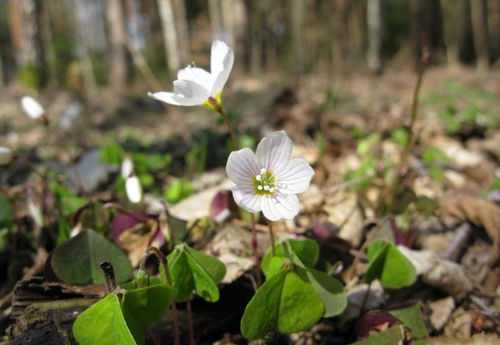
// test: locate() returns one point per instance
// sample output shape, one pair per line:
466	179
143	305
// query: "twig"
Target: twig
255	247
462	235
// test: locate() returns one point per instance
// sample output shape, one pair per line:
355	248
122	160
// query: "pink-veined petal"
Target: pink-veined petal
196	74
274	151
280	207
246	199
221	64
296	176
241	167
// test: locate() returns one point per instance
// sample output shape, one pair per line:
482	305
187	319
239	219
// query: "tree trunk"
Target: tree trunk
452	22
374	23
116	20
256	41
182	29
480	31
297	14
170	36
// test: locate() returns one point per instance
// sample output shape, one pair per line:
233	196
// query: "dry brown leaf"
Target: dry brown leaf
477	339
437	272
441	311
478	211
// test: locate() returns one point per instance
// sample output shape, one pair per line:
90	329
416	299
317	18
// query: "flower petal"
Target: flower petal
280	207
167	97
6	155
133	189
31	107
221	64
196	74
188	92
296	176
274	151
241	167
246	199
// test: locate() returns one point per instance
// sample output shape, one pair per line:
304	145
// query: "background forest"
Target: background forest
393	104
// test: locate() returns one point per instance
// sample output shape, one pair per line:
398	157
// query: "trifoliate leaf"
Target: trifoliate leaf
77	261
387	264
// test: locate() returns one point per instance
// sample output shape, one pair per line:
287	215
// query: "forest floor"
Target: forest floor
351	130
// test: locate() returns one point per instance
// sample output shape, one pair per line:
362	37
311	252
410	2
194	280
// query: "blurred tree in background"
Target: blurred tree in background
83	43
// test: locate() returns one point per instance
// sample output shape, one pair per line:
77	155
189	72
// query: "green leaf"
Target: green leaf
302	252
6	210
112	153
103	323
367	143
387	264
192	270
63	231
77	261
284	303
179	190
96	217
393	336
412	317
330	290
68	202
143	306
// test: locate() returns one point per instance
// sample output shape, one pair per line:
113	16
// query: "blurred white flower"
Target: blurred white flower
6	155
269	180
127	167
195	86
133	189
32	108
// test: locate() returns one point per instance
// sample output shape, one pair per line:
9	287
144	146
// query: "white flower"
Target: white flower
133	189
127	167
6	155
195	86
268	180
32	108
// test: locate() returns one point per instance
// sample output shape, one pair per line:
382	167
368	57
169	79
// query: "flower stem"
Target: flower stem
255	247
271	235
230	128
175	317
190	320
411	131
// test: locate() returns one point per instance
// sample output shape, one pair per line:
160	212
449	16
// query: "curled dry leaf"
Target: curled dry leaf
481	212
437	272
441	311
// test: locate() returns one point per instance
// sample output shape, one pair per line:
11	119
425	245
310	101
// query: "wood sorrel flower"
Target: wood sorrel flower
32	108
269	180
6	155
195	86
133	189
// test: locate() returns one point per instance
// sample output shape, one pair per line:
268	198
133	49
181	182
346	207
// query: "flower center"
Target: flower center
264	183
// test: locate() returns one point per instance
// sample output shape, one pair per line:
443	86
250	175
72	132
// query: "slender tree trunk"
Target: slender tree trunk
235	24
480	29
170	35
256	41
182	29
452	21
374	23
297	13
116	20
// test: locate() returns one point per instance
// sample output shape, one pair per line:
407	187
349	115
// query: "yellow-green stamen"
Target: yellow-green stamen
264	183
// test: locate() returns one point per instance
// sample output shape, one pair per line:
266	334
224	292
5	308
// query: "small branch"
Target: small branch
462	235
255	247
109	276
